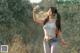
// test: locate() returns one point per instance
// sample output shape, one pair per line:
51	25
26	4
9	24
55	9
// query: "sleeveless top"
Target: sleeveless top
50	28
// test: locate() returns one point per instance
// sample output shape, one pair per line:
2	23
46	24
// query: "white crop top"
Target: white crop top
50	28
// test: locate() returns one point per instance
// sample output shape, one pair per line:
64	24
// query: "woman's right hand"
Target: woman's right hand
34	9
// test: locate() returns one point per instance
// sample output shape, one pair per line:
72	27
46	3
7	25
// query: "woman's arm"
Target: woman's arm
59	35
63	43
35	17
61	38
34	14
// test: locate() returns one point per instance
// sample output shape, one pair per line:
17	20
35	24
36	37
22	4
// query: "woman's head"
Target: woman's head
52	11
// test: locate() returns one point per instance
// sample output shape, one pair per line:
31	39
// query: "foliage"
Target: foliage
16	18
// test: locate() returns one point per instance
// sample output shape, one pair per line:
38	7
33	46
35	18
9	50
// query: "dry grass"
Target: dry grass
17	45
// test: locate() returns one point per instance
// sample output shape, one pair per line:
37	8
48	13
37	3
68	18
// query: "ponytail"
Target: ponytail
46	20
58	22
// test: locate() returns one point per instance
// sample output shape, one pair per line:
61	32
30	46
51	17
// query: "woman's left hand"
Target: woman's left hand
64	44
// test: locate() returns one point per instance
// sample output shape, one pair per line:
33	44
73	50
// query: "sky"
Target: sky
35	1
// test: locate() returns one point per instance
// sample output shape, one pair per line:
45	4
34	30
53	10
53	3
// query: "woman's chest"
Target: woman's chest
50	26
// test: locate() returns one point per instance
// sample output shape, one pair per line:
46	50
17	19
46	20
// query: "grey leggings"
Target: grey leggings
50	49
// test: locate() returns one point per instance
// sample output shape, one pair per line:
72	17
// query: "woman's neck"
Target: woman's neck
51	17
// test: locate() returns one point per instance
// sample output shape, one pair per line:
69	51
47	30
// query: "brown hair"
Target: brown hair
58	20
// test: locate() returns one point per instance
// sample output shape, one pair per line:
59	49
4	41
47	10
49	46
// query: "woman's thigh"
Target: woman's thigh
46	47
54	48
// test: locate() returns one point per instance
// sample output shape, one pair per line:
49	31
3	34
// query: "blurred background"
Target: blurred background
18	30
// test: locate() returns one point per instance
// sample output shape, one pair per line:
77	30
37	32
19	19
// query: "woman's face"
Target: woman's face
50	12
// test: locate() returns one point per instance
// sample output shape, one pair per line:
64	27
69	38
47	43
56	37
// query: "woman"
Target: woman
52	30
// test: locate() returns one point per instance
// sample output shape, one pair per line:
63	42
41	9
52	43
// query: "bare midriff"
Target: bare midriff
48	37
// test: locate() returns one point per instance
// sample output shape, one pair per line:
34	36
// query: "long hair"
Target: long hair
58	19
46	20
